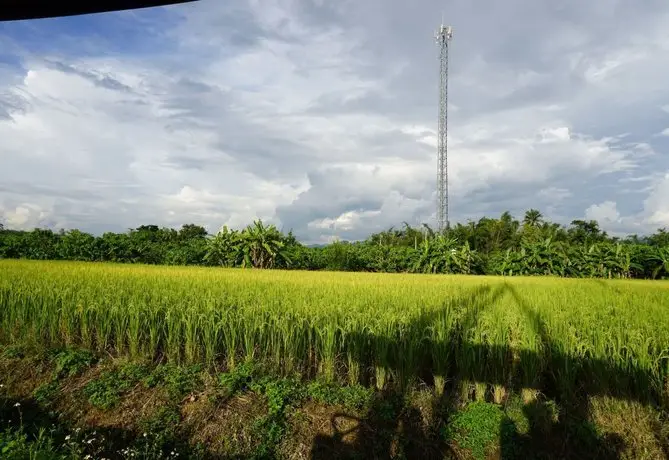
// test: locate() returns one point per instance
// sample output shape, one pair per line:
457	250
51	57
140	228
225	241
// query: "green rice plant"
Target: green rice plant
211	335
327	346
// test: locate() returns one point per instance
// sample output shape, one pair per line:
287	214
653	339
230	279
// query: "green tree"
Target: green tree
77	245
532	218
585	232
40	244
192	231
660	239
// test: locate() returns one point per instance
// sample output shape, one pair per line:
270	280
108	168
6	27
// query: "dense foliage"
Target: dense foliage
502	246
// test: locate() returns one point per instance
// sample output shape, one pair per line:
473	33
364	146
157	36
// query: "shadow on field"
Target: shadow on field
394	429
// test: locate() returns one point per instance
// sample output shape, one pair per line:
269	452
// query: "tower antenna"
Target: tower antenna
443	37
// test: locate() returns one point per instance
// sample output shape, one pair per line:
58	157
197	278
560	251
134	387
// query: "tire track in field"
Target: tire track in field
539	328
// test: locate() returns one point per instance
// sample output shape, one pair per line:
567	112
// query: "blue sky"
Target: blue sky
321	116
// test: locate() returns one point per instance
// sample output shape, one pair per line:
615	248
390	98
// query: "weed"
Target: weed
163	421
15	445
46	393
159	434
355	397
271	428
58	443
71	362
105	391
68	363
179	380
280	393
476	428
13	352
52	443
238	379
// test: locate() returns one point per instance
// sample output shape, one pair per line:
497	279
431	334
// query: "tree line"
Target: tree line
489	246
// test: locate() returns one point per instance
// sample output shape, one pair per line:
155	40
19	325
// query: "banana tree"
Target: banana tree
463	260
508	263
560	259
623	261
225	248
436	255
261	245
537	258
660	261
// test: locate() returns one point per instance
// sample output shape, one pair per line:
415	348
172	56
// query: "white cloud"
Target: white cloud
654	215
389	214
604	213
656	205
25	216
346	221
555	193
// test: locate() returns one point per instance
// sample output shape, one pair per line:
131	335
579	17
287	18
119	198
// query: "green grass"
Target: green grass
352	327
477	428
106	391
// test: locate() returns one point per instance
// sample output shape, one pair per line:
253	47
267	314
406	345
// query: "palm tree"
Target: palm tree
532	218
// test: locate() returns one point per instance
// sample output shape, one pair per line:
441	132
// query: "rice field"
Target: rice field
496	334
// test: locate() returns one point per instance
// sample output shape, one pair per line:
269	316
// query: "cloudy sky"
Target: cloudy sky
321	116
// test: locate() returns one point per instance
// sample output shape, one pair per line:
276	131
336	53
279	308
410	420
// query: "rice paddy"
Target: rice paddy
494	334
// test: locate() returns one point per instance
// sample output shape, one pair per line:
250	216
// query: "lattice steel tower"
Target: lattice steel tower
443	37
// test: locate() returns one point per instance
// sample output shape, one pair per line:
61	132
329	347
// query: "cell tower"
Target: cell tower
443	37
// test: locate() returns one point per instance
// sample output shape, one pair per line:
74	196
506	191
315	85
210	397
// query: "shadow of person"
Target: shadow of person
570	381
391	429
567	432
556	436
